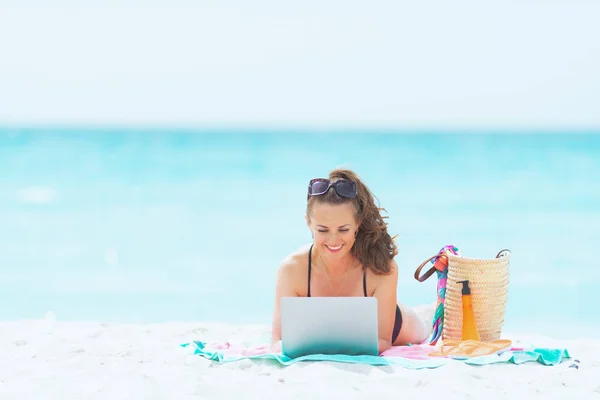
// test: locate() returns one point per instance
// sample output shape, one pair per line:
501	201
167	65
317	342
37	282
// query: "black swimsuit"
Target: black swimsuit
397	321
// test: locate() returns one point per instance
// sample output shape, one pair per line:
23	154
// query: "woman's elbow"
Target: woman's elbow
384	345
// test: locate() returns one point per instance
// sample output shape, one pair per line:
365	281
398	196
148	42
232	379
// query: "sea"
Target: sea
150	225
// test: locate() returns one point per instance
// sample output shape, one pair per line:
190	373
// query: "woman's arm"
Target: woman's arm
284	287
385	292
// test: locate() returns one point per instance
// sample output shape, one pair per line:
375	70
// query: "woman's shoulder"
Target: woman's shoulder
391	275
295	263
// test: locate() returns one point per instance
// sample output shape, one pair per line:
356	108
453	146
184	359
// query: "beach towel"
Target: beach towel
411	357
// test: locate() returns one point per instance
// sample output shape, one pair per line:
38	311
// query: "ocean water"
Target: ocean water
129	225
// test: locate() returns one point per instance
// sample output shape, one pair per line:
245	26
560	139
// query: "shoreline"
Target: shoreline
45	324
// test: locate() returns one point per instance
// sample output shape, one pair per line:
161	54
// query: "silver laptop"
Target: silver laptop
329	325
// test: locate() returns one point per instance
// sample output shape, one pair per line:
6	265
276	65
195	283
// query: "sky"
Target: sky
391	64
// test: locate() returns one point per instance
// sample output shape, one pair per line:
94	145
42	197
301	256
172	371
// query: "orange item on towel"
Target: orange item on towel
470	348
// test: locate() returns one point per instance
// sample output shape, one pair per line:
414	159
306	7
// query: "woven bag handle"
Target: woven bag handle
430	272
500	253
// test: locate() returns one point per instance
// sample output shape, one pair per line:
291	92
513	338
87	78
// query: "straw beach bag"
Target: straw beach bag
488	280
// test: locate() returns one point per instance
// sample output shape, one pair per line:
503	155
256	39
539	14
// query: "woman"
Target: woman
352	254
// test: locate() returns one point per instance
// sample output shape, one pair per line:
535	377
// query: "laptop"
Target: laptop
329	325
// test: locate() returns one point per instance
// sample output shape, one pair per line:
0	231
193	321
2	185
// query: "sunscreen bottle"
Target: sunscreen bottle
469	328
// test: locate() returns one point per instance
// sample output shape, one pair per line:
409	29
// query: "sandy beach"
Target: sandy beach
76	360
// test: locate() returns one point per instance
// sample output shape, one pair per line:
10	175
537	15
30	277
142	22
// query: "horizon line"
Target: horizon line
297	128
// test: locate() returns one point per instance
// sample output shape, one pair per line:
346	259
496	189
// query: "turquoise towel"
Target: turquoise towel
218	355
541	355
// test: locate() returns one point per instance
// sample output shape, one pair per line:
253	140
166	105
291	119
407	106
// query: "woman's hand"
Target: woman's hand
384	345
276	347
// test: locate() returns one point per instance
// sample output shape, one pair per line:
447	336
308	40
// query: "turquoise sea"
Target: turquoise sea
154	225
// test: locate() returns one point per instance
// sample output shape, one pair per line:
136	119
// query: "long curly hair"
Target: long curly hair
373	247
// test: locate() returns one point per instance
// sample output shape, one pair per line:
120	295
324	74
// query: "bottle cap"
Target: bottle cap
465	289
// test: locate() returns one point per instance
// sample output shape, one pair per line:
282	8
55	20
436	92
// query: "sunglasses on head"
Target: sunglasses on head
343	187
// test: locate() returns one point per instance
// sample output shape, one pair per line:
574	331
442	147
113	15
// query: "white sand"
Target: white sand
61	360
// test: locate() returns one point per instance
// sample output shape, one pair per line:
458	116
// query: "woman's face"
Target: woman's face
333	227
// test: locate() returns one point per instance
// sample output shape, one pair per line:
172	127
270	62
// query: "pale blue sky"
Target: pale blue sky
498	64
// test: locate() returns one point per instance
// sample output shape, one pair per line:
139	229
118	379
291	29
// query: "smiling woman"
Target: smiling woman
352	254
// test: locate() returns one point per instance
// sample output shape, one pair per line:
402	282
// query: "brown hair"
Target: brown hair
374	247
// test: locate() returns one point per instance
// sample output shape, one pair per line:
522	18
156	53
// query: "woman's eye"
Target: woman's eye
322	231
344	230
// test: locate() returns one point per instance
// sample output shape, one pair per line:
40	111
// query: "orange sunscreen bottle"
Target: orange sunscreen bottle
469	328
